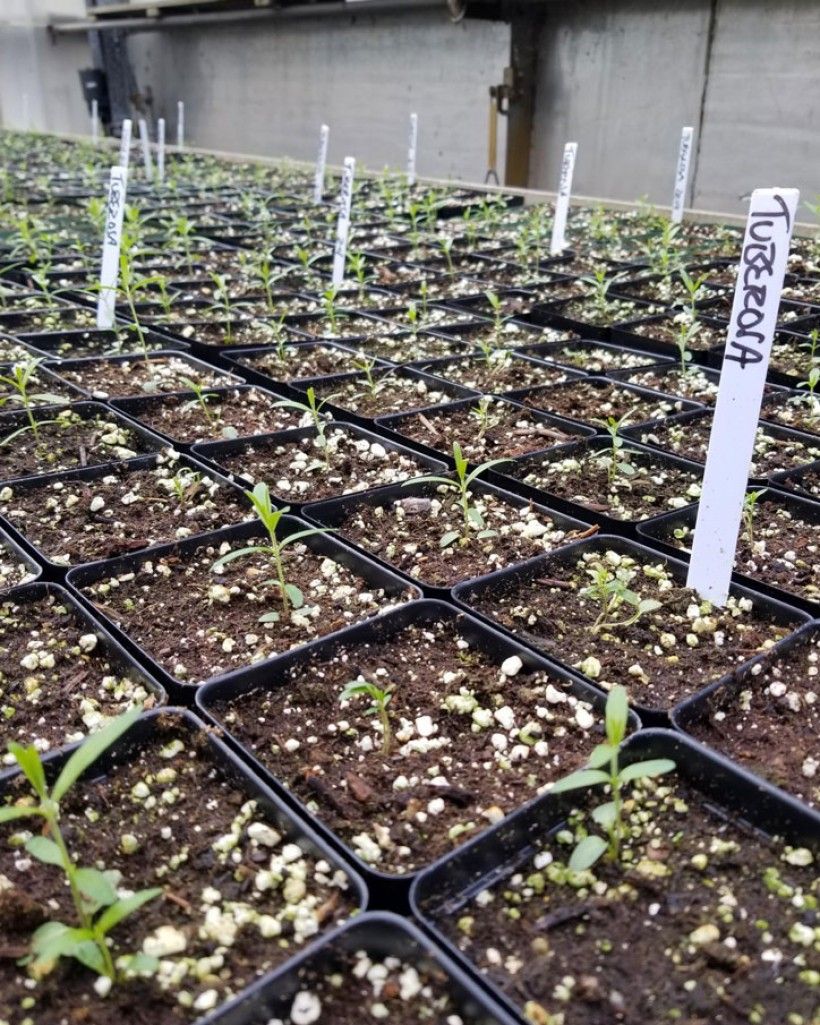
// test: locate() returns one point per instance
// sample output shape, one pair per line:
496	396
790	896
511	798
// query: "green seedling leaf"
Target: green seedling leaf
95	887
617	715
588	851
605	814
45	850
237	554
9	814
28	759
139	964
579	780
474	516
269	617
121	909
601	756
91	750
295	596
448	538
640	770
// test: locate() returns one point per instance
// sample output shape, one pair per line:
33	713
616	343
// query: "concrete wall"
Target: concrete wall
623	76
39	86
266	88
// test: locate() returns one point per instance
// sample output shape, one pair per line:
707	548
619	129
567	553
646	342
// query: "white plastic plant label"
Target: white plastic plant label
180	124
559	241
161	150
743	376
112	237
682	174
412	146
321	160
146	149
95	122
343	224
125	144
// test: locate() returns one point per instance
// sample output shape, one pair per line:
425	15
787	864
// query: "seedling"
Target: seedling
365	365
266	276
413	318
813	347
357	264
446	245
498	312
661	251
97	907
610	593
314	410
183	229
486	420
471	517
413	211
131	287
329	297
600	289
686	332
609	816
693	286
379	700
19	381
750	500
613	427
185	485
222	295
292	597
423	289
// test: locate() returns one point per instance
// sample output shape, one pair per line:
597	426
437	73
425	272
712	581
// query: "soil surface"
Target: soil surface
76	521
639	486
591	403
701	921
157	602
670	652
105	379
58	680
409	532
503	431
307	470
499	371
390	391
594	359
798	410
770	721
237	899
302	361
472	737
65	440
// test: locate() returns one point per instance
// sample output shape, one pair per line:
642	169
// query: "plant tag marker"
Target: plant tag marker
343	224
559	227
321	160
112	236
161	150
95	121
743	376
146	149
412	144
682	175
180	124
125	144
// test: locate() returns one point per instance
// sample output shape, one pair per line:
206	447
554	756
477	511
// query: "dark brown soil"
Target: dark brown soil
807	484
693	384
79	344
407	533
42	390
55	318
296	470
501	371
391	392
71	443
197	623
302	362
588	356
198	881
72	681
592	402
666	329
660	937
464	756
613	312
509	431
231	413
799	411
76	521
770	722
409	348
346	325
138	376
641	487
690	439
668	654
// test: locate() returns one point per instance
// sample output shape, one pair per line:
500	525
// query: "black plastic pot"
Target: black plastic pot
141	735
657	530
624	334
466	595
243	361
553	314
379	935
89	363
396	424
10	546
115	652
149	442
440	368
56	570
792	480
97	343
511	477
551	352
440	893
326	545
212	452
387	889
335	512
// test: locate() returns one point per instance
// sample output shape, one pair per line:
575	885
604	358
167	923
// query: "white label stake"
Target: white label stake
180	124
682	175
321	160
559	227
412	144
125	144
146	149
745	363
112	236
343	225
95	121
161	150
